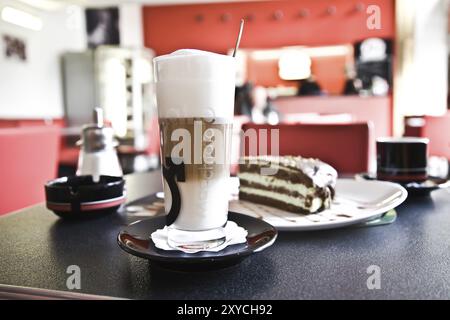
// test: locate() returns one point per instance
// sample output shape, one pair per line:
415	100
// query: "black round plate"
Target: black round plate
135	239
417	188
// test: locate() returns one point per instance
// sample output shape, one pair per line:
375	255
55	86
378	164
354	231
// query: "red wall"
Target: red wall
214	26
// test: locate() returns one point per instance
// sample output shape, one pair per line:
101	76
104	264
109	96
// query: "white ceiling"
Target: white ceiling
146	2
50	5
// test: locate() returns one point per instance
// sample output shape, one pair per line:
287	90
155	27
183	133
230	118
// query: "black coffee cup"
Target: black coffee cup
402	159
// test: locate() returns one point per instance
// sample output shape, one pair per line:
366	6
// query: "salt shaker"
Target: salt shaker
98	155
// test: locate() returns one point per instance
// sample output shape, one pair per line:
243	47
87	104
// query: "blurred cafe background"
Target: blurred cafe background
334	74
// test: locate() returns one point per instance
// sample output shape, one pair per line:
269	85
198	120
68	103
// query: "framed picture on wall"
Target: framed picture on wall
374	58
102	26
14	48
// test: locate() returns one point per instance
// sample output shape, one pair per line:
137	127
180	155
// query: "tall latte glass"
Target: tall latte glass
195	99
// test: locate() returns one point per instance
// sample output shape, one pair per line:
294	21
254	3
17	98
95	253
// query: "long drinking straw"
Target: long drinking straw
238	40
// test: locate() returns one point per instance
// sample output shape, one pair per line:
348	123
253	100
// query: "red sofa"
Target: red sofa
437	129
347	147
28	158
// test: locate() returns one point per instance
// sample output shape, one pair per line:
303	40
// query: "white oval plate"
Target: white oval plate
355	202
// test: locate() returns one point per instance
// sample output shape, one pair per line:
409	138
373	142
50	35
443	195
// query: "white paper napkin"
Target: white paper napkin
234	235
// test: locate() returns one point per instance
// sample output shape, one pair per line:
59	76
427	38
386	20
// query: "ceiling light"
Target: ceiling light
47	5
294	65
21	18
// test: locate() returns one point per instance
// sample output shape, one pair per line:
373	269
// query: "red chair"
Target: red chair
437	129
28	158
347	147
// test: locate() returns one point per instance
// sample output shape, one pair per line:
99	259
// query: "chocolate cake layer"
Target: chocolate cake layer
319	192
295	169
272	203
299	185
282	173
281	190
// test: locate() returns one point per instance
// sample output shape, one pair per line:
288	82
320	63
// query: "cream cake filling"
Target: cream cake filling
316	203
321	173
270	181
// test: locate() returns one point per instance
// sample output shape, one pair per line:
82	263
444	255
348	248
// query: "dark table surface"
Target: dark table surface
413	254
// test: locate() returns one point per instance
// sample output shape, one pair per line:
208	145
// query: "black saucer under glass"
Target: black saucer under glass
423	188
135	239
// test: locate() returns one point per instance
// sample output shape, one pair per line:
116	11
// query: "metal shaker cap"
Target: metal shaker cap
97	137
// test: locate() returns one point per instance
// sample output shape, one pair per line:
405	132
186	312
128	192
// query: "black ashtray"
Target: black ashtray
77	196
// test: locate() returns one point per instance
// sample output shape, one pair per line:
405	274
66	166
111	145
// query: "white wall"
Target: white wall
33	89
131	33
422	58
431	56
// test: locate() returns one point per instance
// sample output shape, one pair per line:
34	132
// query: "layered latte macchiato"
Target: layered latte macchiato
195	98
200	148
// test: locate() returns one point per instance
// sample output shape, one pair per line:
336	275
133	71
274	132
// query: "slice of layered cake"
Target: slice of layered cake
295	184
